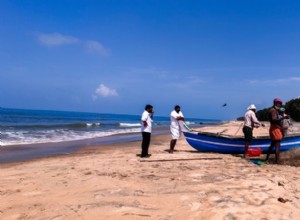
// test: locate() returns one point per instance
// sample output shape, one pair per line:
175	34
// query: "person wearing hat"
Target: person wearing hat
249	123
275	130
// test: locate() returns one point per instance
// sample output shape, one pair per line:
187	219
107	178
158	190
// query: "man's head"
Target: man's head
252	107
177	108
149	108
277	102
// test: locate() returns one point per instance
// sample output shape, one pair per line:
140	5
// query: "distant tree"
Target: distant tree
242	118
262	115
293	109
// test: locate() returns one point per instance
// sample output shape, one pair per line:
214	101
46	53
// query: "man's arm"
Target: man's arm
180	117
144	119
254	120
145	123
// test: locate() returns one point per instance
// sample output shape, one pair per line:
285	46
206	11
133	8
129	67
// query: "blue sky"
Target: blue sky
115	56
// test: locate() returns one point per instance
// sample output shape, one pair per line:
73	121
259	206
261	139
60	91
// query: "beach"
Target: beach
111	182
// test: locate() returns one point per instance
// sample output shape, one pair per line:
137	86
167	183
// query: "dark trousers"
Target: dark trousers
145	143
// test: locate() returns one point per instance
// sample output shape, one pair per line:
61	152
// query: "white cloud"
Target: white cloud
296	79
56	39
104	91
96	47
276	81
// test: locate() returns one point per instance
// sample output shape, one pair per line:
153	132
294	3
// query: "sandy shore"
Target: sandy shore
111	182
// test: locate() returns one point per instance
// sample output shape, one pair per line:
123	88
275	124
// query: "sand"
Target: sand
111	182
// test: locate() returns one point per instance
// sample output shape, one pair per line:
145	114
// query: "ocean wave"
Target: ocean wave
49	126
69	125
59	135
130	124
190	122
92	124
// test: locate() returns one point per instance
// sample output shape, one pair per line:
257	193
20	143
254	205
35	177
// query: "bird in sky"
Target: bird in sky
225	104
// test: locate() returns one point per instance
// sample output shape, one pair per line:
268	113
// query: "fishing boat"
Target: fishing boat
218	143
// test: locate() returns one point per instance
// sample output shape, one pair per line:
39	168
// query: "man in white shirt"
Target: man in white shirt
176	116
147	119
249	123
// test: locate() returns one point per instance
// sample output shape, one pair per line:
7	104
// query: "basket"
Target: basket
254	152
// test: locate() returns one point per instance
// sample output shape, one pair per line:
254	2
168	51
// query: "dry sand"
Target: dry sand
111	182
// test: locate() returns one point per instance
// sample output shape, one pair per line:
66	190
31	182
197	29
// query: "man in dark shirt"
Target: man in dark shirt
276	134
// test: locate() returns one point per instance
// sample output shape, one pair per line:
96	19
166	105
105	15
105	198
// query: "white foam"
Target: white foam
92	124
59	135
130	124
190	122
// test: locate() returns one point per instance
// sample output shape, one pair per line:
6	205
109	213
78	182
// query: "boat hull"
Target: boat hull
230	145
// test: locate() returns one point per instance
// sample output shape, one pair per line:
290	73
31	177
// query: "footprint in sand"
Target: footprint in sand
151	176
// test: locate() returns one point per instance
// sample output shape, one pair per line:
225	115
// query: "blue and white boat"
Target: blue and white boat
212	142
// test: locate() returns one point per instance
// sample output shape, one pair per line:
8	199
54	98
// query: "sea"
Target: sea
25	126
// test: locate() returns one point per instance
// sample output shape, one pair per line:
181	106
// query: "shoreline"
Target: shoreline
95	149
18	153
25	152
